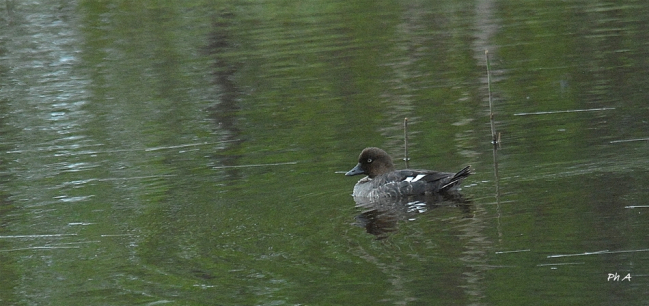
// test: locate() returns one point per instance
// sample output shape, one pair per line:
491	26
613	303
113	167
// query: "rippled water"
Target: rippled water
191	153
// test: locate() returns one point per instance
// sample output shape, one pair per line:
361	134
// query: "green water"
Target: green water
190	153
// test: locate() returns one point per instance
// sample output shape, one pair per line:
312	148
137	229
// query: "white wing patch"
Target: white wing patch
414	179
416	206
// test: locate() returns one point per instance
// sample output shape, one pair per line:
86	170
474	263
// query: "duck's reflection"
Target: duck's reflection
381	216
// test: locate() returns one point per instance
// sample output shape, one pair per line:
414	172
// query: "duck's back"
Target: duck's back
408	182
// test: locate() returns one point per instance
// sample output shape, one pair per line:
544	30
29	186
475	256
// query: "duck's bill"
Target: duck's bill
355	171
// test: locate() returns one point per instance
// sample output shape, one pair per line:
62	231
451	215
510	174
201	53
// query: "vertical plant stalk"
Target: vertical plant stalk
495	140
494	137
405	142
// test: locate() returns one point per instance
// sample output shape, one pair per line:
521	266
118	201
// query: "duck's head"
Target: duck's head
372	162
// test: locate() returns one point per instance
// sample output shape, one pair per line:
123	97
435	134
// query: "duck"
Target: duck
382	180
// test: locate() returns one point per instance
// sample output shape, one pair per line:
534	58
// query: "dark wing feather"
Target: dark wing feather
456	179
413	182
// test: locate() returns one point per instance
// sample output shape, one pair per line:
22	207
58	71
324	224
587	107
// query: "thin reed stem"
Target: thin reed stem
494	136
405	142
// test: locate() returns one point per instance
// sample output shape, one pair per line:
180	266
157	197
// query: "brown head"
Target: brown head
373	162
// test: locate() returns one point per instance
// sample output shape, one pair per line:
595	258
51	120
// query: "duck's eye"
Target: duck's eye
369	160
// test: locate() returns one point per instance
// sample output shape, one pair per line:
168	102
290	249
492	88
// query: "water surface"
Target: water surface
190	153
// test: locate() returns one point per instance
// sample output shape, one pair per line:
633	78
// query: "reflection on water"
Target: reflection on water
224	112
381	216
186	152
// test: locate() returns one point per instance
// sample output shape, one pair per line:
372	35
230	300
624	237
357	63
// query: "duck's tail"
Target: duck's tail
456	179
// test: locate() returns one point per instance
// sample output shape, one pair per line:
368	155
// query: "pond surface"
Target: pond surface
191	153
